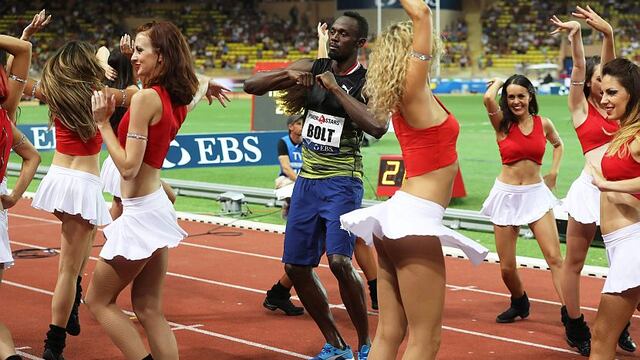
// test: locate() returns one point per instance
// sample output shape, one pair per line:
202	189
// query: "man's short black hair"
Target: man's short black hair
363	25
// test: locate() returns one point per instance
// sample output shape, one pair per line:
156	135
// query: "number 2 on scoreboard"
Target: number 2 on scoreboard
389	176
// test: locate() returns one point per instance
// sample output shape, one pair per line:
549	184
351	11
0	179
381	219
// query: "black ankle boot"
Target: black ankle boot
519	307
625	341
14	357
279	298
73	324
578	335
54	343
373	292
564	315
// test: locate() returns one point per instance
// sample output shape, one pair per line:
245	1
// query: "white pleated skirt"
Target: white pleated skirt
110	177
73	192
6	257
623	247
518	204
404	215
147	223
583	200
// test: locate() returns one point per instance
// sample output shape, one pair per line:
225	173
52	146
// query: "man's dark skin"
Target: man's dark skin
344	43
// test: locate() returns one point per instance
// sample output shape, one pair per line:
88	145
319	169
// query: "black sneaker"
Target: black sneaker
373	293
564	315
283	304
51	355
279	297
73	324
54	343
519	307
578	335
625	341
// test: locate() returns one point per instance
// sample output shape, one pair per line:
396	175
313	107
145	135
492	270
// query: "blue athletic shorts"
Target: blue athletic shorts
313	224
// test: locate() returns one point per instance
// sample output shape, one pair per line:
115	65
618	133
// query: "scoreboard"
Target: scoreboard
265	113
391	175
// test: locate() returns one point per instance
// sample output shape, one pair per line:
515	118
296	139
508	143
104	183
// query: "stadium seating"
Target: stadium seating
516	32
234	35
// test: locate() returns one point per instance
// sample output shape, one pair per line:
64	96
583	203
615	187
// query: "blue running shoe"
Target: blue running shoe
330	352
363	354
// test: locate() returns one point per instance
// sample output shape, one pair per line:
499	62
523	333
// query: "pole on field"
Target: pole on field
379	15
438	35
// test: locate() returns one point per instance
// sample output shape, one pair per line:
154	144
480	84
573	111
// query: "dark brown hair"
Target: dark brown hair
591	64
4	88
508	118
628	75
175	73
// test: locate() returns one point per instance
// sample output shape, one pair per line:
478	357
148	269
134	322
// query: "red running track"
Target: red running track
217	282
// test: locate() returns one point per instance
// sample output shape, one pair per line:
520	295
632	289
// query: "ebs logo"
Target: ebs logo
198	150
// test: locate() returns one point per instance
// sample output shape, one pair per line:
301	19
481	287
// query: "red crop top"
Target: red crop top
425	150
69	143
6	140
159	135
595	131
615	168
518	146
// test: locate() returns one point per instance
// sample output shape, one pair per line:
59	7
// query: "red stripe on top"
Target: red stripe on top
351	70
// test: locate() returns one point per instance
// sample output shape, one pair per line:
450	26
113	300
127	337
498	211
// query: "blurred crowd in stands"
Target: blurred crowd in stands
226	34
211	27
515	26
518	26
456	50
231	34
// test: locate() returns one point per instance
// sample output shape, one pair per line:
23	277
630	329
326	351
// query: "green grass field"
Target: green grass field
477	150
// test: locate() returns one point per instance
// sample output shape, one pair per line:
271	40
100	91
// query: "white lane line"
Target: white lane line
27	287
459	288
186	327
471	288
339	306
237	252
189	277
28	226
192	328
522	261
26	355
233	286
501	338
34	218
207	247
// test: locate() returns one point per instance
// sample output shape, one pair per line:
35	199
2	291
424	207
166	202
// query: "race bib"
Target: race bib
321	132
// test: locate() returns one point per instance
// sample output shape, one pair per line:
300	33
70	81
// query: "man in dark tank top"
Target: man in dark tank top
330	181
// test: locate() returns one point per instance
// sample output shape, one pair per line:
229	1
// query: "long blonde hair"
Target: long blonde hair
388	68
292	100
628	75
69	78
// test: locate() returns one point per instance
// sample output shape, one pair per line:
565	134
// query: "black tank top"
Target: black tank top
325	153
